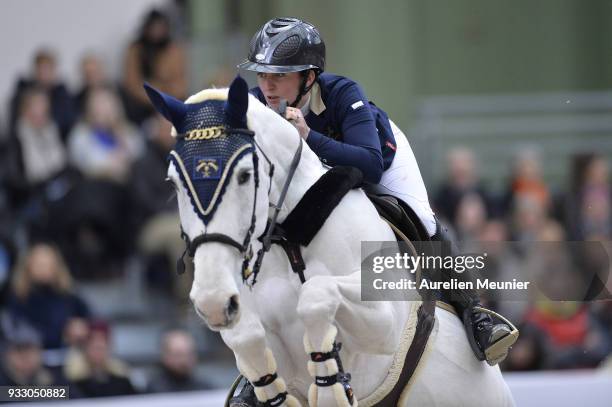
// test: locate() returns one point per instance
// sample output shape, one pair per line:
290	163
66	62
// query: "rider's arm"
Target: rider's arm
361	145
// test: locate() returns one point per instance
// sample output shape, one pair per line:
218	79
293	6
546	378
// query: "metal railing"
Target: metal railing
495	127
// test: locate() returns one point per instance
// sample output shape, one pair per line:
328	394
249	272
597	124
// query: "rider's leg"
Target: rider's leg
404	179
488	339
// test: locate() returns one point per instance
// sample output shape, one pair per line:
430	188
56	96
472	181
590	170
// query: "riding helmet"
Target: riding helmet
286	45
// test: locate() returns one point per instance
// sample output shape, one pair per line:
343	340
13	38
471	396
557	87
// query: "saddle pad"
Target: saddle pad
309	215
415	345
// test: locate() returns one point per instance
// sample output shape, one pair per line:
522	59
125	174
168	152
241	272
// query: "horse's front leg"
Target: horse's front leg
256	362
329	303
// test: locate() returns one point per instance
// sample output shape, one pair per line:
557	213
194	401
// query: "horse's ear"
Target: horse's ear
237	103
171	108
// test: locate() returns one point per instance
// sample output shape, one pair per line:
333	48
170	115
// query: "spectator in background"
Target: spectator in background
602	311
37	152
526	182
104	145
528	217
575	339
97	234
462	179
471	217
37	175
97	373
158	237
152	194
6	215
44	76
76	334
155	58
502	264
178	362
43	294
8	254
93	76
22	360
588	206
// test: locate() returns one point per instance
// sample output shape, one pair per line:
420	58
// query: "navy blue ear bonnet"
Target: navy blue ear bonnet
212	138
206	155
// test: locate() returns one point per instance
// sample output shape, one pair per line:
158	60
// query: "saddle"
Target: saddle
397	213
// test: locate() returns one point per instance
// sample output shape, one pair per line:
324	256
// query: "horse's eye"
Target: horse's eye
171	182
244	176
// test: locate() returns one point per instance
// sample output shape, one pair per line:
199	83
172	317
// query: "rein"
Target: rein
272	222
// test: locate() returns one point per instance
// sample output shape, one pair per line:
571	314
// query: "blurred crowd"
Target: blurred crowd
82	192
530	230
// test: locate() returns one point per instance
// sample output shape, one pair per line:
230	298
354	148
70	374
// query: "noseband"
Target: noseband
246	248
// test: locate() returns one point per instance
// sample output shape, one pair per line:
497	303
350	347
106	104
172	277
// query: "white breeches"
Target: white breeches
404	179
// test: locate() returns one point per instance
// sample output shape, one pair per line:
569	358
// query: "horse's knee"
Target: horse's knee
319	299
246	340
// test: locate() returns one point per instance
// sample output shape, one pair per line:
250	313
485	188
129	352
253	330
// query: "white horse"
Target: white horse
273	325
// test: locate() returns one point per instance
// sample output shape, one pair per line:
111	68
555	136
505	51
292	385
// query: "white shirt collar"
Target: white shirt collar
316	104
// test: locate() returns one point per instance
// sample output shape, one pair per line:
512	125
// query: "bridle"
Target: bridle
246	248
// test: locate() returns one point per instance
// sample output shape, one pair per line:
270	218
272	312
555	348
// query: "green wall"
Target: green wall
501	46
402	50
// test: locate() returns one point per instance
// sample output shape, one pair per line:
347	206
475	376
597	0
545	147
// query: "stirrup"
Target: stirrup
232	399
498	350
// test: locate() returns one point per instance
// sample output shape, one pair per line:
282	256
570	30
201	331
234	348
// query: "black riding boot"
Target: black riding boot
490	339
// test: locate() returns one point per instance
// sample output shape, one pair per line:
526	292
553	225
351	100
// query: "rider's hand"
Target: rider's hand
296	118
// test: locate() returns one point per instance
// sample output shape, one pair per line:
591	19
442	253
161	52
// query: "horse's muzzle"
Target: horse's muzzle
223	318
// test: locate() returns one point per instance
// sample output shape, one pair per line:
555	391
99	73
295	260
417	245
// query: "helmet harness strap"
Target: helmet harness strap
304	89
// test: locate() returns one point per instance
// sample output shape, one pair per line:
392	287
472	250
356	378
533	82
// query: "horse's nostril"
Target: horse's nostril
232	305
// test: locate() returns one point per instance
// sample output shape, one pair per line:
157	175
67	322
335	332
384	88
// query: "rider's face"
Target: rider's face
277	86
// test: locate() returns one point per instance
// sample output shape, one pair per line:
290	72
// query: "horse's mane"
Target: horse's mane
208	94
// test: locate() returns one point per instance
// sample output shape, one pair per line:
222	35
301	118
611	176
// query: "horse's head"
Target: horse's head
222	186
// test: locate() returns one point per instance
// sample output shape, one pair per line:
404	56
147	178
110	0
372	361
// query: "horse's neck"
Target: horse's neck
308	171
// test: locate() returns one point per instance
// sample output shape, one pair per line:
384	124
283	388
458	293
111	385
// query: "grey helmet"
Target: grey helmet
286	45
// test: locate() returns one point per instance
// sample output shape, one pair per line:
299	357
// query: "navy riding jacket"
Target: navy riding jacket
350	130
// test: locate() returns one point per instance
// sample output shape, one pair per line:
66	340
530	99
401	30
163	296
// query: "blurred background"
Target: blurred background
507	106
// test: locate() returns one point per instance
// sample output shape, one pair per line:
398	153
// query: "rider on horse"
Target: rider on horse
333	115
